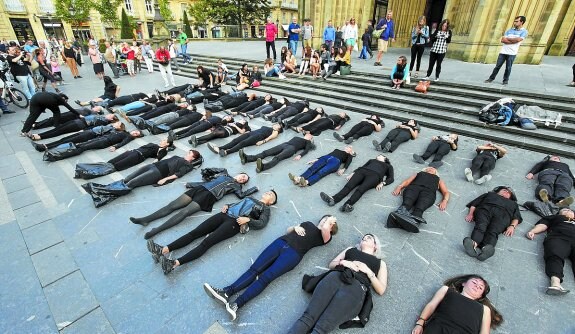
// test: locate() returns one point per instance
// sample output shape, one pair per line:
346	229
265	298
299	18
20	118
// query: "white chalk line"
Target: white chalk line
90	221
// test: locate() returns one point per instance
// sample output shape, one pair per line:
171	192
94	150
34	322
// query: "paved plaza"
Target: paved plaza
71	268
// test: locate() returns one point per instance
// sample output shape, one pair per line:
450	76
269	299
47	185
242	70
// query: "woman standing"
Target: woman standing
459	306
350	35
341	293
130	56
419	37
45	70
96	61
440	38
69	56
137	57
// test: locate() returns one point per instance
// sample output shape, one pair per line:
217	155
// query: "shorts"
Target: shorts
350	42
382	45
306	43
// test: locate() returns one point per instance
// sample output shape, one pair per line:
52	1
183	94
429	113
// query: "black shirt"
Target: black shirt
337	120
510	208
301	143
110	91
214	120
49	100
151	150
262	133
426	180
174	166
549	164
69	53
456	314
493	152
276	105
302	244
344	157
382	169
559	227
19	68
205	75
372	262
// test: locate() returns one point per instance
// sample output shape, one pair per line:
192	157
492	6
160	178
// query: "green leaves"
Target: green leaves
229	11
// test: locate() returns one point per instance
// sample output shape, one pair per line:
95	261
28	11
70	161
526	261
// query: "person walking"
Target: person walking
183	39
511	41
329	35
147	55
19	61
387	25
440	38
110	58
419	37
173	54
163	57
271	33
293	36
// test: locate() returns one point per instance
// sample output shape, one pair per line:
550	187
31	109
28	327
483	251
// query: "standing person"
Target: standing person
388	26
137	56
329	35
183	39
350	35
440	38
271	32
511	41
419	37
42	101
280	257
55	66
307	34
19	62
96	61
173	54
370	32
110	58
573	82
147	55
293	36
163	57
69	56
130	56
45	70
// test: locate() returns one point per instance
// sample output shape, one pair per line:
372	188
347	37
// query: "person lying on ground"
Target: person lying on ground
304	118
205	123
251	104
555	181
330	122
280	152
336	161
484	162
254	137
227	101
439	147
402	133
161	123
66	117
270	105
82	123
221	131
82	136
362	129
111	91
290	110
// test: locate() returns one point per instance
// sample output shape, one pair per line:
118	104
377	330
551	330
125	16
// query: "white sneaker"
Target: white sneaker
337	73
436	79
166	85
426	78
281	76
469	174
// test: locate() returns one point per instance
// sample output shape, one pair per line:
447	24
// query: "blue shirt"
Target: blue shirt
293	36
329	34
389	31
241	208
30	48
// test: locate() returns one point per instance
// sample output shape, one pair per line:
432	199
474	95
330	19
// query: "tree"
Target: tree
199	13
165	10
73	11
231	11
187	29
126	27
107	10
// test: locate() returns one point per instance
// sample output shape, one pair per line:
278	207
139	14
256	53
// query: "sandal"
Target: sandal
556	291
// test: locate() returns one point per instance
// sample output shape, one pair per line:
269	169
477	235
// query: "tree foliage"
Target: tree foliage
165	10
187	29
108	10
230	11
199	13
73	11
126	31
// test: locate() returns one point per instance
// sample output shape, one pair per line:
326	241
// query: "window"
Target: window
14	6
129	8
46	6
149	7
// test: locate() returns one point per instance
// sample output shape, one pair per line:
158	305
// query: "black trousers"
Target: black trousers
177	89
555	251
279	153
483	164
97	143
317	127
300	119
557	183
287	113
396	137
197	127
216	133
185	120
417	199
240	142
122	100
437	147
68	127
48	122
36	110
126	160
362	180
271	45
433	58
218	228
144	176
489	223
416	53
249	106
141	110
359	130
76	138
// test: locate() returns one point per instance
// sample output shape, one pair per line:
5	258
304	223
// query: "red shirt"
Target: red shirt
162	55
130	54
271	31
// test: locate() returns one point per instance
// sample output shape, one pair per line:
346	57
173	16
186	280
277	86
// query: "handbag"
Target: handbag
34	65
345	70
422	86
377	33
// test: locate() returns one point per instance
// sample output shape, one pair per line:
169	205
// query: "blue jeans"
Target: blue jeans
322	167
273	72
184	52
277	259
363	54
133	105
508	59
27	84
293	47
3	106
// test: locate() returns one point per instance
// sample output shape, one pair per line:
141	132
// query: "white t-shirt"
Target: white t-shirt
512	49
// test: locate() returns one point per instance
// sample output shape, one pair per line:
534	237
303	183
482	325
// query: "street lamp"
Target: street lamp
72	11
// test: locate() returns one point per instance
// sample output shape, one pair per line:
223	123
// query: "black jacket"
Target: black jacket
219	183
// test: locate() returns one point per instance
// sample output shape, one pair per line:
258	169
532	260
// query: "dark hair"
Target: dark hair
196	154
521	18
276	196
456	283
334	228
141	134
200	67
513	197
442	23
64	96
246	174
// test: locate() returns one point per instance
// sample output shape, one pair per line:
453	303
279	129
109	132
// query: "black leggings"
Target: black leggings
197	127
249	106
75	138
159	111
556	250
141	110
337	66
396	137
184	202
317	127
126	160
185	120
95	144
418	198
363	180
435	57
438	147
573	73
489	223
359	130
216	133
416	52
48	122
144	176
287	113
300	119
483	164
279	153
177	89
126	99
68	127
240	142
218	227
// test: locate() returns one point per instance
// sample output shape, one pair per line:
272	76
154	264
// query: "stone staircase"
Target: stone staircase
446	107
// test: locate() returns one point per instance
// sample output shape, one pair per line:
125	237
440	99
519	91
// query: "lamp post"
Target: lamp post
72	11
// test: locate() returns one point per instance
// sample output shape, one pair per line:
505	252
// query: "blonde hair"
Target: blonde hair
377	252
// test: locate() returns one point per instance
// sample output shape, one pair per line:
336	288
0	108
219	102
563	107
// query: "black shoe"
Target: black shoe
39	147
167	264
486	252
92	104
376	145
243	158
138	221
488	81
387	147
155	249
193	141
8	111
259	165
346	208
338	137
348	140
418	159
469	247
217	294
171	136
327	198
436	164
79	76
505	83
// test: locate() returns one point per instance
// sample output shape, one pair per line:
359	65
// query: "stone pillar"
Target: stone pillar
563	30
405	15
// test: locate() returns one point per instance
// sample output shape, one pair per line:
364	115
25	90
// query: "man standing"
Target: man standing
163	57
511	41
329	35
19	62
110	57
183	39
147	54
293	37
271	32
370	33
387	25
307	32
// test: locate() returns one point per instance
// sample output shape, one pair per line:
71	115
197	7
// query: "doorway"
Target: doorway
434	13
22	29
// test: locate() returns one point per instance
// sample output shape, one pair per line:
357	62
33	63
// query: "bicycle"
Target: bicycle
10	94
